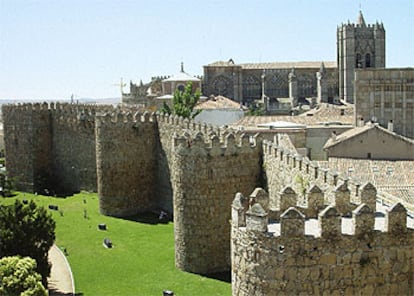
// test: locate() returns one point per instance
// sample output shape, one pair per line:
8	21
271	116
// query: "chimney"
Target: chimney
390	126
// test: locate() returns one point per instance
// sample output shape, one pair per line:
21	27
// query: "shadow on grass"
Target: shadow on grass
153	217
224	276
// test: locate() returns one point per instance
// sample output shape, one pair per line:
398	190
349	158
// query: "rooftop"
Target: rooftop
182	76
360	130
275	65
219	102
326	114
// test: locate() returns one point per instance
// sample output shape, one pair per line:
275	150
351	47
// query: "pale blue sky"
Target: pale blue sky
50	49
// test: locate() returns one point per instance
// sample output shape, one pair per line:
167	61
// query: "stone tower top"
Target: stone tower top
361	20
358	46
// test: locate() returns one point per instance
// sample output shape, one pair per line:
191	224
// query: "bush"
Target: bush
18	277
27	230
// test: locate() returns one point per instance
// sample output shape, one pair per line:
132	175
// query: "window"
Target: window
181	88
358	61
367	60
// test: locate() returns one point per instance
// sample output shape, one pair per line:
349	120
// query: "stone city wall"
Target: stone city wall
326	258
27	138
73	147
126	162
286	167
50	148
207	171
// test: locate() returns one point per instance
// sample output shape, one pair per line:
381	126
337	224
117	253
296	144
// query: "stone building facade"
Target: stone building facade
370	142
294	81
359	46
152	95
386	96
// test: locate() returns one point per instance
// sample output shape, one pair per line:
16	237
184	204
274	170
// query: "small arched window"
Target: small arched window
181	88
358	62
367	60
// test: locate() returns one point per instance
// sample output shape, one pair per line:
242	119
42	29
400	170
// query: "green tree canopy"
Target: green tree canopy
184	102
18	277
27	230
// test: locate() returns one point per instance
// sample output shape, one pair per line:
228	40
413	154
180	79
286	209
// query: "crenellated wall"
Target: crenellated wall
73	151
126	162
286	167
140	162
27	139
332	254
207	173
50	148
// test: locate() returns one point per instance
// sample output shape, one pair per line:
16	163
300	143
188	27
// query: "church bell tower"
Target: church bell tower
358	46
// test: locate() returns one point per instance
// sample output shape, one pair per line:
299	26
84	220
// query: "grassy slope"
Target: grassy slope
140	263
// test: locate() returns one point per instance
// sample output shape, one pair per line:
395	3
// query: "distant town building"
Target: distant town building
159	90
386	96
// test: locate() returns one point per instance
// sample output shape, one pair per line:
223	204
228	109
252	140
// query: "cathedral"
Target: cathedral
358	77
358	46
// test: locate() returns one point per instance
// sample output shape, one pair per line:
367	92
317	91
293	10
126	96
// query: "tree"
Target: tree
27	230
7	185
18	276
184	102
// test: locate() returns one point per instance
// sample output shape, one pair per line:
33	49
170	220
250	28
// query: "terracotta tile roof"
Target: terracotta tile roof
394	178
218	102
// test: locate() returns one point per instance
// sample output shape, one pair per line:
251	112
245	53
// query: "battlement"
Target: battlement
302	173
122	117
357	254
252	213
349	25
228	143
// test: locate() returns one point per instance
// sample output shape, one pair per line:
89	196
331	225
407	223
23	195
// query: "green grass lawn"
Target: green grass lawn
141	261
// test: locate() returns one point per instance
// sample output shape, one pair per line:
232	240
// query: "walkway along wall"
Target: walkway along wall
291	258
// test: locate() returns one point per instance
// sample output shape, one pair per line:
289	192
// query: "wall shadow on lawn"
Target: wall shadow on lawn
224	276
153	217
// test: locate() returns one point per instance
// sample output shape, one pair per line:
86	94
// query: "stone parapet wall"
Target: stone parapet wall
284	167
207	172
287	258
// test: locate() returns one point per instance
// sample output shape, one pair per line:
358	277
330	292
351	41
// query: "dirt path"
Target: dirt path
61	279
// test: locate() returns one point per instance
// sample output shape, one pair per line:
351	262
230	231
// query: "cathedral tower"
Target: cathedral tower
358	46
